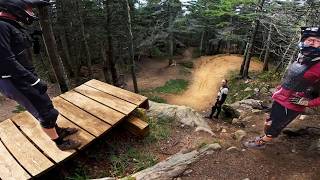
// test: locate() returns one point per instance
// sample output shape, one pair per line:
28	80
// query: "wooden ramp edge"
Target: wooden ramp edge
94	108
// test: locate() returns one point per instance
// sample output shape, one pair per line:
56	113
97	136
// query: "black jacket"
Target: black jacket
14	59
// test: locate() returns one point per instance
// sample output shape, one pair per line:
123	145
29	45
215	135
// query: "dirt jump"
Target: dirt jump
206	79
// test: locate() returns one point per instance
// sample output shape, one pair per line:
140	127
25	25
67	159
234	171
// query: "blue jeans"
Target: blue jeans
39	105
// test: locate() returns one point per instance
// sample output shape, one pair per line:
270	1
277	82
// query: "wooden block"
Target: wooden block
30	126
117	92
23	150
111	101
81	118
137	126
101	111
84	137
9	168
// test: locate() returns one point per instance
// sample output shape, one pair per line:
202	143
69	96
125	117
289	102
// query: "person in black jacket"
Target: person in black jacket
18	79
221	98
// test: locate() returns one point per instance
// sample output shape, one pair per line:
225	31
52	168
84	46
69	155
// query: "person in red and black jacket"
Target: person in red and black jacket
18	79
295	92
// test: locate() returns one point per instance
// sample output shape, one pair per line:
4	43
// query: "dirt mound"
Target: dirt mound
206	78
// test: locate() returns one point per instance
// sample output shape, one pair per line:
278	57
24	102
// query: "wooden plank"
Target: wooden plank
82	136
9	168
81	118
118	92
29	125
137	126
23	150
101	111
111	101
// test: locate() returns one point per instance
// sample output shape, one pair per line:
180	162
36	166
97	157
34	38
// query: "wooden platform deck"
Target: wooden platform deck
94	107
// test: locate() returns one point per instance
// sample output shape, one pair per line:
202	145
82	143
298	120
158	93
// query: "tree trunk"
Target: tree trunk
51	47
66	53
244	59
112	65
201	42
245	73
85	41
106	70
131	50
171	43
266	56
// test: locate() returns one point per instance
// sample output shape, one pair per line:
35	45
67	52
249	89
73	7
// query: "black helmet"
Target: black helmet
22	9
309	32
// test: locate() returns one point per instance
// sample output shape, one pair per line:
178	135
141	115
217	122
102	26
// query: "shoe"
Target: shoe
257	143
64	132
69	145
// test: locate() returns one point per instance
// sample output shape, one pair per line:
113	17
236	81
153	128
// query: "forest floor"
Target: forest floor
120	154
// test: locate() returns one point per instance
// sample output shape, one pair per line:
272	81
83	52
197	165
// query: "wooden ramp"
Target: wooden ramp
94	107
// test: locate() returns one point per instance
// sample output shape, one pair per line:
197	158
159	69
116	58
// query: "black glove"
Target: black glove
41	87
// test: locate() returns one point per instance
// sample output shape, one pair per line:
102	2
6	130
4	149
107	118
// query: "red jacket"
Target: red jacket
282	95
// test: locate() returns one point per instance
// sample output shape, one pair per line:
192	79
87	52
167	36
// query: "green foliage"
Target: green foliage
133	158
160	129
80	174
19	109
187	64
237	86
173	86
157	99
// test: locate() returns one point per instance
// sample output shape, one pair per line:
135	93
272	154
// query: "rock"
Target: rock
256	111
313	131
240	134
223	130
230	111
247	119
247	89
272	90
215	146
255	104
315	146
264	90
235	121
173	166
187	172
246	179
184	115
303	117
233	149
256	90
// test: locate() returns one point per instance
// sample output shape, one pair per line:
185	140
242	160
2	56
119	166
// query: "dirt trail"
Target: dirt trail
206	78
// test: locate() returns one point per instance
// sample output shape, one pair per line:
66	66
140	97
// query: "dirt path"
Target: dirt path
206	78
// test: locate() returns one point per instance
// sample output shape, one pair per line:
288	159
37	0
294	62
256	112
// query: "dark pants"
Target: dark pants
39	105
280	117
217	106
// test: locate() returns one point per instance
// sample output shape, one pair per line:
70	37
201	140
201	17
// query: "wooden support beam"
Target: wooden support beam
136	126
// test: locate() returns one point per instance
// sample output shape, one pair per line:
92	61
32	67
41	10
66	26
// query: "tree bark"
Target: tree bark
245	73
85	41
201	42
131	49
171	43
106	70
112	65
266	56
51	47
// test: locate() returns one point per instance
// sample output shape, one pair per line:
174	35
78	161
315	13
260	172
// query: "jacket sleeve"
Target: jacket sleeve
8	62
314	102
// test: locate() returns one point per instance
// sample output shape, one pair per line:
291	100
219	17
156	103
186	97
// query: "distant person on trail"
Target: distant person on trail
298	88
18	80
221	98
